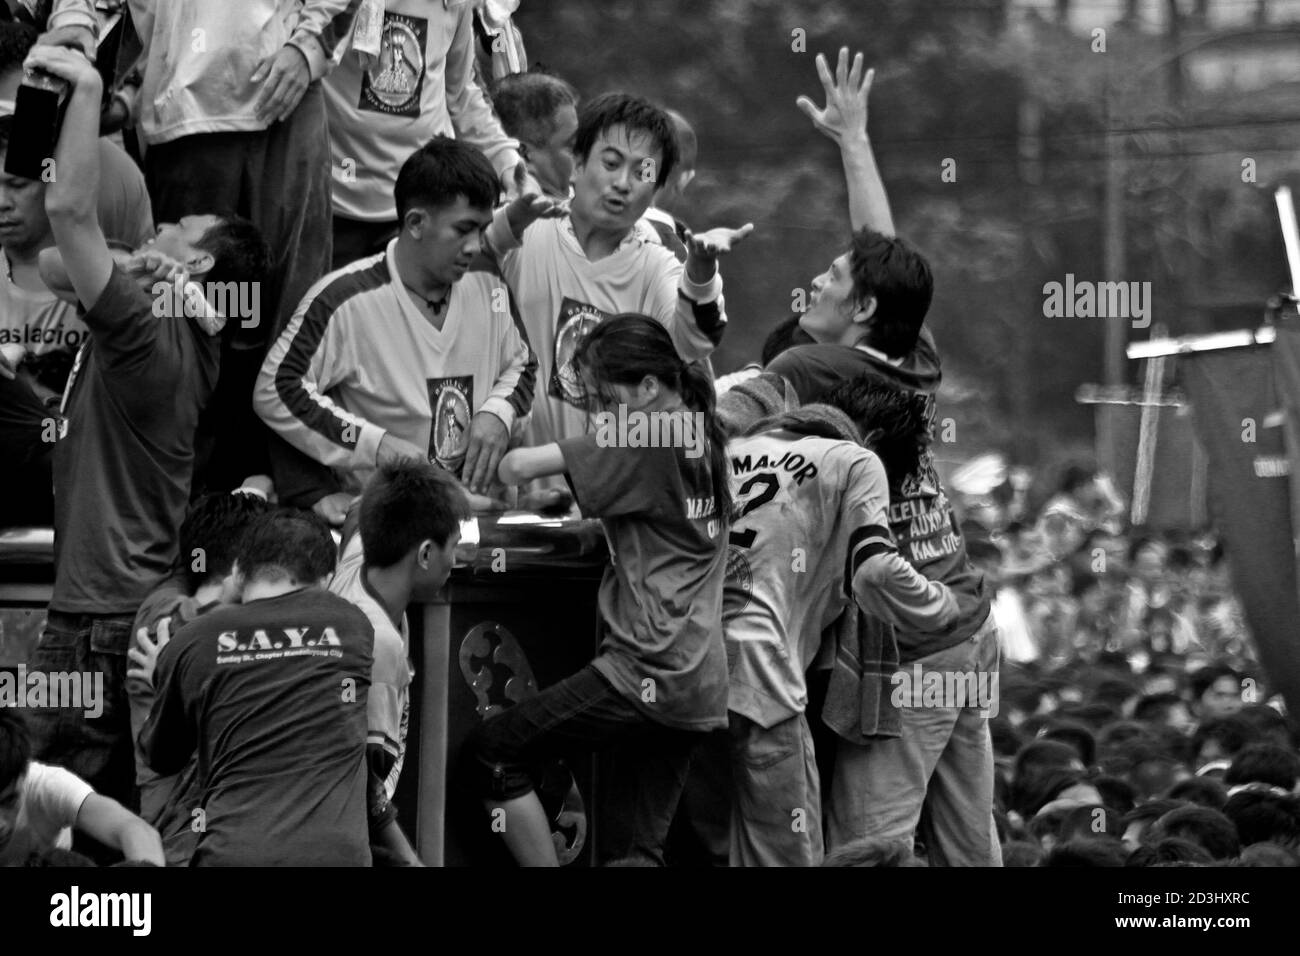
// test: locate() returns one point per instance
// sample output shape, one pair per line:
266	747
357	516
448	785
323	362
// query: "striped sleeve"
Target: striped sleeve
515	370
694	313
301	367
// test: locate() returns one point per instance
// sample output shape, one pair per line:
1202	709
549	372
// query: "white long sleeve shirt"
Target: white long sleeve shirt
422	84
200	55
562	295
358	359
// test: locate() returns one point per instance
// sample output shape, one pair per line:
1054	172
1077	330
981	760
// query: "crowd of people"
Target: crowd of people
396	281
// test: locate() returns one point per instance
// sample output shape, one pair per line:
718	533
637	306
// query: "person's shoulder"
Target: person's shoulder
819	354
337	607
117	165
123	296
163	601
335	289
857	462
44	782
548	232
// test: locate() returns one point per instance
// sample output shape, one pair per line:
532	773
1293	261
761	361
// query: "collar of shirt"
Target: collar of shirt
876	353
637	234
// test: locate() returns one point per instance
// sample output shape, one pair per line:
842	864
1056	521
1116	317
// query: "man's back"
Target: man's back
273	695
800	500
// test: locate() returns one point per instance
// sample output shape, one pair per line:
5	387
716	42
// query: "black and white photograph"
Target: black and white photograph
489	435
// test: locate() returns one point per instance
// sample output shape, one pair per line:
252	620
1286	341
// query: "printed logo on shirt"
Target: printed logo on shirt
922	519
739	577
34	336
393	83
449	401
575	321
262	644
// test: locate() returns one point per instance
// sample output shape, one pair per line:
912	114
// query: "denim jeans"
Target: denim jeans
646	763
97	749
936	780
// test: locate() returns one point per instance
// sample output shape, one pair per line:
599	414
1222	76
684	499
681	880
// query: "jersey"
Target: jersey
389	704
358	359
809	536
563	295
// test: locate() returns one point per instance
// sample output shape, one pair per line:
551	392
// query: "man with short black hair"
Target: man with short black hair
1216	691
410	514
209	539
572	271
418	352
272	696
123	463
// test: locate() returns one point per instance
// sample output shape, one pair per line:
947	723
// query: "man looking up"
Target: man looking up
122	469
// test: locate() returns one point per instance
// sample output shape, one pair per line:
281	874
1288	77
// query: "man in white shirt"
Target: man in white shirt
40	805
570	273
407	532
405	73
415	353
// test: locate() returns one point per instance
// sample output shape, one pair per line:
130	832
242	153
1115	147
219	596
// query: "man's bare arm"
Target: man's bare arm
844	120
71	199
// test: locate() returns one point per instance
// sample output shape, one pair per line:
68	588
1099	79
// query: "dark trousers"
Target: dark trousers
97	749
280	179
646	763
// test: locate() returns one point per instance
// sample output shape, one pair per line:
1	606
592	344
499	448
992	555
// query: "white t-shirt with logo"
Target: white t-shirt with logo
39	321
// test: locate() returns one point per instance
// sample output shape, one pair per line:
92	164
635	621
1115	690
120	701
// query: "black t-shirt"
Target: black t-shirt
272	695
813	370
122	470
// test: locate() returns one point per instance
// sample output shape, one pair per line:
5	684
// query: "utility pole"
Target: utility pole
1114	251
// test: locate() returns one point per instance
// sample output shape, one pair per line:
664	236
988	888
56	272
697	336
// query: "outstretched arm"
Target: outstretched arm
844	120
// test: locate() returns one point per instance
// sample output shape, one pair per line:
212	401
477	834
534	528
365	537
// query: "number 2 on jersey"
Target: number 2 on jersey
771	485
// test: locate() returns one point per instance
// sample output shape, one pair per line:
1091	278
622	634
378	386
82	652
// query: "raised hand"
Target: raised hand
703	249
148	267
845	112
